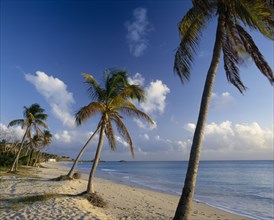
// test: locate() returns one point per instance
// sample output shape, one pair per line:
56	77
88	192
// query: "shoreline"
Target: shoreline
124	201
139	186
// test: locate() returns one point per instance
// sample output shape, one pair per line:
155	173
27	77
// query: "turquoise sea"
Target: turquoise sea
241	187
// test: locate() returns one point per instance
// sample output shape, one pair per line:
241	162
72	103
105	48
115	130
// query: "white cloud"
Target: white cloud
122	141
222	101
64	137
55	92
155	101
137	79
226	137
190	127
11	133
155	97
137	32
146	136
145	125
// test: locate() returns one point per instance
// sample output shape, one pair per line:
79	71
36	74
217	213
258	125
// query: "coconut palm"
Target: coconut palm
34	117
45	140
235	43
110	102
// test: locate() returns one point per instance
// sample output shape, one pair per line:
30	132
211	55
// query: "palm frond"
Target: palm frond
110	135
190	29
122	129
41	123
256	14
255	53
230	46
116	82
95	91
20	122
136	113
85	112
41	116
130	92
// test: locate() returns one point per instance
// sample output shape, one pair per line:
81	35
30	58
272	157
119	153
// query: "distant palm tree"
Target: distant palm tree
45	140
235	43
111	101
34	117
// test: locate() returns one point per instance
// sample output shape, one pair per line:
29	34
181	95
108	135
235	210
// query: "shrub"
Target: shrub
77	175
6	159
96	200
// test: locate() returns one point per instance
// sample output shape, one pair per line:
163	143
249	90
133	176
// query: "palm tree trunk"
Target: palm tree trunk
184	205
29	163
37	158
90	187
72	170
15	162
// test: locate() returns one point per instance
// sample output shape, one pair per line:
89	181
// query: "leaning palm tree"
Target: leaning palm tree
110	102
34	117
45	140
235	43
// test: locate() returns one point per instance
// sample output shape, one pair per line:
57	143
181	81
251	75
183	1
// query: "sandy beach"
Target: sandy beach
124	202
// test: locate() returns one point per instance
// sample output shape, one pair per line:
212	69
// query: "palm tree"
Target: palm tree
110	102
45	140
34	117
234	41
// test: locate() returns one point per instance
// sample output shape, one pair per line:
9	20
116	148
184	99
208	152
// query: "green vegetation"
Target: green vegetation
21	202
34	117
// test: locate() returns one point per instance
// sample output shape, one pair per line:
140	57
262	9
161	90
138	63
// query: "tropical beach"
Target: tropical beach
123	201
93	126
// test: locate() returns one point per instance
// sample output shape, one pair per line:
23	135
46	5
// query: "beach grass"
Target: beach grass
21	202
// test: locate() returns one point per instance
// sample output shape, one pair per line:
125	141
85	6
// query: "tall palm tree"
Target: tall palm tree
110	102
34	117
235	43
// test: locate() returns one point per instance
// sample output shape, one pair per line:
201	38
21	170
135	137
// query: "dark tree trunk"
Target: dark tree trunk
72	170
15	162
184	207
90	187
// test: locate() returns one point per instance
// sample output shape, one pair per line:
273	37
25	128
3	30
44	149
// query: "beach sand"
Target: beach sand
124	202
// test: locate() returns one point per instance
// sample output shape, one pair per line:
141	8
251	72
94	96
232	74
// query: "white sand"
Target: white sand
124	202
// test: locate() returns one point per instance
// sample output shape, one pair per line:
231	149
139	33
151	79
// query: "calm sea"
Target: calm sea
242	187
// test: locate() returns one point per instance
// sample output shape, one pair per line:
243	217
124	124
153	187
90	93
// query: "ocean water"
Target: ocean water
241	187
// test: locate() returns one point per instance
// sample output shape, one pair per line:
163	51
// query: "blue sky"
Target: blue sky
46	45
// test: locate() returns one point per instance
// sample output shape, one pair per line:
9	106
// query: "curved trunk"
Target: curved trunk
90	188
15	162
72	170
184	205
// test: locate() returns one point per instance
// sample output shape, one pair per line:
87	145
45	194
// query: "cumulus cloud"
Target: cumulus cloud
55	92
137	31
11	133
155	102
64	137
221	101
137	79
227	137
156	93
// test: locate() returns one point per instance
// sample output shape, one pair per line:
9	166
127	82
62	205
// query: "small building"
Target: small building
51	160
